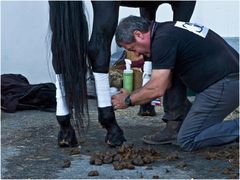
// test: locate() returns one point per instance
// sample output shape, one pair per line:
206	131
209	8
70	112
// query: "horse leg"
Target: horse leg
69	45
149	11
99	55
182	10
147	109
66	135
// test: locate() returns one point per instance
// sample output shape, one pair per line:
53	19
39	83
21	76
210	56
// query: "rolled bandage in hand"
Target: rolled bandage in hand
156	102
113	91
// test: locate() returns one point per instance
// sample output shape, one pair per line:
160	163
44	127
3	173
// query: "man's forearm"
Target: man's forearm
145	94
154	88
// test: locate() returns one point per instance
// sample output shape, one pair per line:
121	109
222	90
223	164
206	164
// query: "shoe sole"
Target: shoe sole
158	143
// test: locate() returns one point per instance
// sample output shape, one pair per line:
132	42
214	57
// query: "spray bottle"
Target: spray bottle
128	76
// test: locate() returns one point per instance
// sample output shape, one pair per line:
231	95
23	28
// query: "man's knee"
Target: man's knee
186	143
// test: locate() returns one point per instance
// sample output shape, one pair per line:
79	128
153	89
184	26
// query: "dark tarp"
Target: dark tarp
18	94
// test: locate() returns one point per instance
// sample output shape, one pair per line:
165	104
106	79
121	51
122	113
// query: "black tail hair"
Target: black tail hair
69	50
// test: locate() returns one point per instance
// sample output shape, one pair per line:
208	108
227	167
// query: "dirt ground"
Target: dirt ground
29	150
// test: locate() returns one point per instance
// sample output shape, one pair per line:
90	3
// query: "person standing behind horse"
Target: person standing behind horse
197	57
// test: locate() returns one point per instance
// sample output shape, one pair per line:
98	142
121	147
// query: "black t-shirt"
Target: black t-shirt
198	55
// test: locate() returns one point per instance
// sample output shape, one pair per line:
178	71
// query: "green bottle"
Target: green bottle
128	76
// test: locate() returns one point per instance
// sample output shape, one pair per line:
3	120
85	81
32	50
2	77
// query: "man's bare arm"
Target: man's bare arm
156	87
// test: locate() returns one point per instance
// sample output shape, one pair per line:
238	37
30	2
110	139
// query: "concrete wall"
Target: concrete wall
24	30
24	49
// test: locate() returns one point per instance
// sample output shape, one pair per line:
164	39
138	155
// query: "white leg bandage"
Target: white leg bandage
62	107
147	71
102	89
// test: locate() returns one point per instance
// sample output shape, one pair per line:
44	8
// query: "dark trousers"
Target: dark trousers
204	124
175	102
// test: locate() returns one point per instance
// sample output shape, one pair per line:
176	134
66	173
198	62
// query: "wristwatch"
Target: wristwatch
128	101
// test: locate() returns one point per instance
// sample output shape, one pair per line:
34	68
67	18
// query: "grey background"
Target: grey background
25	32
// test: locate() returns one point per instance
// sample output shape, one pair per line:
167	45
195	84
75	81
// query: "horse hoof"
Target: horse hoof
67	137
115	136
147	110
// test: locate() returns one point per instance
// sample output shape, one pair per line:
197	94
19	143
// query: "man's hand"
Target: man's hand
118	100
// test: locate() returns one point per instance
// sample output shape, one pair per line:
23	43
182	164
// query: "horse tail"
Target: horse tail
69	42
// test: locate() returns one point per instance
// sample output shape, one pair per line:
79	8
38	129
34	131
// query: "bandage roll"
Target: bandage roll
147	71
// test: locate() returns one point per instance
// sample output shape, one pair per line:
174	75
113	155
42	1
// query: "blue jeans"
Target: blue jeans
204	125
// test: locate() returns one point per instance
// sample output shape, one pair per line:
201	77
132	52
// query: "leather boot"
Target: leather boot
167	136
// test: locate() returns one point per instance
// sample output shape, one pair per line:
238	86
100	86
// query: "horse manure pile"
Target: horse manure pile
75	151
93	173
156	177
125	157
229	154
172	157
66	163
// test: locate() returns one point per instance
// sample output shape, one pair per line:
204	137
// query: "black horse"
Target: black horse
70	49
